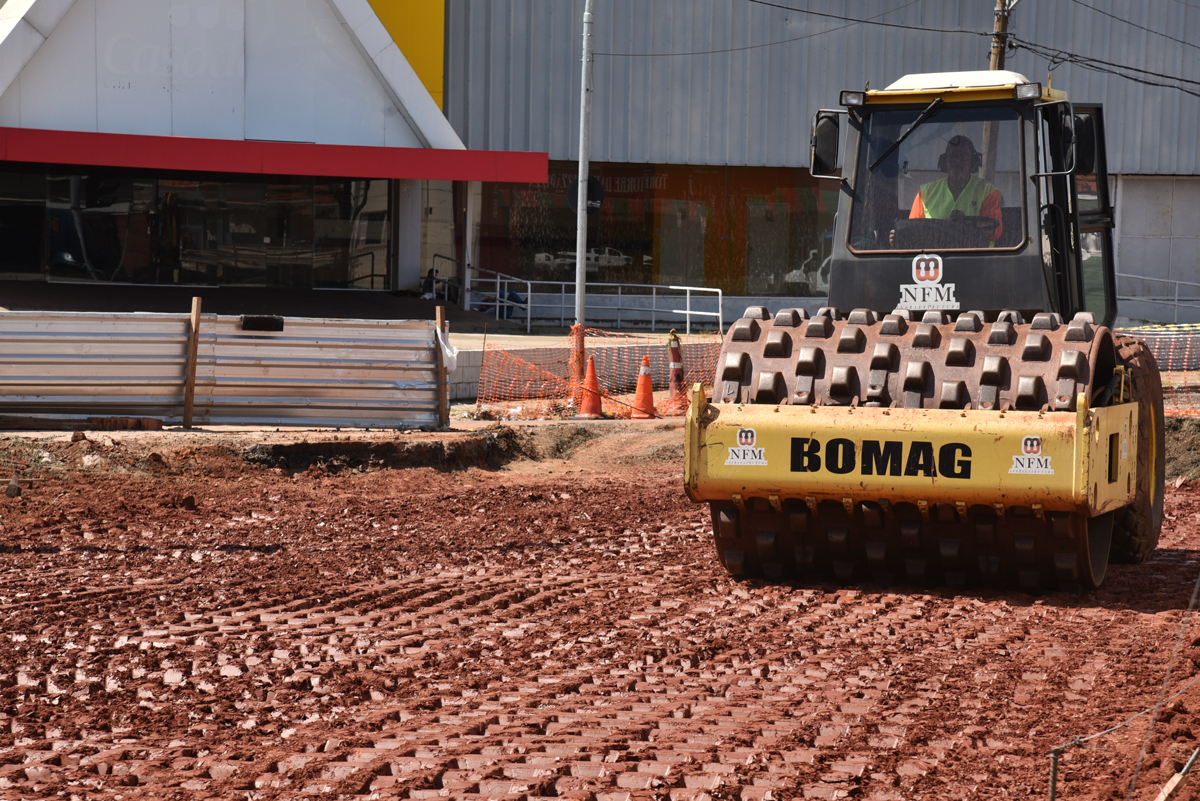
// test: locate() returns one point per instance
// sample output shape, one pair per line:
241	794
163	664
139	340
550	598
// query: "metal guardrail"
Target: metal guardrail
625	300
315	372
501	297
1170	298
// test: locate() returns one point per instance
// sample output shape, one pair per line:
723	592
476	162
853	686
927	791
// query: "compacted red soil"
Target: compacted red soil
529	612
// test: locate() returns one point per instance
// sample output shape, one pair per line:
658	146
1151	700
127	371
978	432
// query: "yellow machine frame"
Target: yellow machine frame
1083	461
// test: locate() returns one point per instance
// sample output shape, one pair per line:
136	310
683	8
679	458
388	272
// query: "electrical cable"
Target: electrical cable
868	21
849	22
1185	3
1064	56
1054	56
1057	57
1134	24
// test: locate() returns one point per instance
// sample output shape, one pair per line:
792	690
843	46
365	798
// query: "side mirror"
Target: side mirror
1067	138
826	134
1085	144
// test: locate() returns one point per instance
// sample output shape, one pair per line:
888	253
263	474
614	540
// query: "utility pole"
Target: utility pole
585	139
999	32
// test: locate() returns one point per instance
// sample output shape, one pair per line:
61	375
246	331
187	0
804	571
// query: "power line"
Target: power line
849	22
870	21
1056	57
1053	55
1134	24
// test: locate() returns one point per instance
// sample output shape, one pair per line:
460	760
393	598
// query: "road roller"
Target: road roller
959	412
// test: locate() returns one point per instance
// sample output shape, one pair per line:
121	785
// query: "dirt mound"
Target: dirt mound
491	448
1183	447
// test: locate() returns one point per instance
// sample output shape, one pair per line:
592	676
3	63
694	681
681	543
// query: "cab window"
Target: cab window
954	183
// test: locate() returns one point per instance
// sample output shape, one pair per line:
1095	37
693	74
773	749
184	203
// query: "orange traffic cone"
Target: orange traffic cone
677	402
643	401
589	405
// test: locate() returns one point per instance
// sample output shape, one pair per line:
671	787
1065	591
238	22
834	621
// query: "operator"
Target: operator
960	194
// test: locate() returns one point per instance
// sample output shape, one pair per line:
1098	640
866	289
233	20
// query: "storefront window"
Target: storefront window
22	215
745	230
242	231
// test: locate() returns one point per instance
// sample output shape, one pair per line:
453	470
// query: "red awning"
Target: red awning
181	153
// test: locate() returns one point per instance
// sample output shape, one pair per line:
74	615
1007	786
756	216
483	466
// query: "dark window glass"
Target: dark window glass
744	230
953	183
293	232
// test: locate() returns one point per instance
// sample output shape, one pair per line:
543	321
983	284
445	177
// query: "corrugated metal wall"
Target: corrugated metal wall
512	73
315	372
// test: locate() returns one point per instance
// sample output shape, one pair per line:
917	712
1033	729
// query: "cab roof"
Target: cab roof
956	87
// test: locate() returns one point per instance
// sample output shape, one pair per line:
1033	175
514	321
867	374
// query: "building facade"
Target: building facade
701	111
267	144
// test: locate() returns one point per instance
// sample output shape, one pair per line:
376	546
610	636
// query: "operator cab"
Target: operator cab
997	181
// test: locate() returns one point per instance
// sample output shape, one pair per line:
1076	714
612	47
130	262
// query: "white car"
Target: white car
596	258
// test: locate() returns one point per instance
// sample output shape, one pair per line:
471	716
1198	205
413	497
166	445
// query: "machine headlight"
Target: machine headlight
853	98
1028	91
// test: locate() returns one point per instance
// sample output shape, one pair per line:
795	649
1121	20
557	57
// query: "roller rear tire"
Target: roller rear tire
1137	526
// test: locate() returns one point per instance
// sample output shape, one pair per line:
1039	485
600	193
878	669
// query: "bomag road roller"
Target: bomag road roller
960	412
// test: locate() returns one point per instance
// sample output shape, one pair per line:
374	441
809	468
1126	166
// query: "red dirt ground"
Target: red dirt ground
526	613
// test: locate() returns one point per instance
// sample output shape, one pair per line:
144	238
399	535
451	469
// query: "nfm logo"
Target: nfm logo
745	454
1030	461
927	290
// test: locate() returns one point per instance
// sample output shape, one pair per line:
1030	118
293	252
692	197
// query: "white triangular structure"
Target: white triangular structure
24	25
320	71
395	74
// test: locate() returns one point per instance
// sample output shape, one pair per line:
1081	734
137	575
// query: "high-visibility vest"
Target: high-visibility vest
938	201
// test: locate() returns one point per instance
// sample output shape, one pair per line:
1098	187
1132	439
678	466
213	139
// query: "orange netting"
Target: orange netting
547	381
529	383
1176	348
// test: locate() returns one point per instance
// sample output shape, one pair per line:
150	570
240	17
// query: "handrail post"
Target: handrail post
689	311
653	309
618	307
528	304
720	312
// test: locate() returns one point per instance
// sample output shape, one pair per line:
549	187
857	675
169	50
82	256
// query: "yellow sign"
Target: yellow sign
418	27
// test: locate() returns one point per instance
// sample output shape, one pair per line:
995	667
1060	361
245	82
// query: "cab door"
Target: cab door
1096	279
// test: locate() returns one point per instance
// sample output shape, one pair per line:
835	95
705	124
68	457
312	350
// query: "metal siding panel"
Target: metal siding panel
698	96
478	68
455	73
616	79
658	82
736	97
500	96
315	372
754	106
602	94
520	57
723	113
566	41
679	70
540	63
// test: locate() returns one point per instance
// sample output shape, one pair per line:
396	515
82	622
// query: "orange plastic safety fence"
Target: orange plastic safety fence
544	382
1176	348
